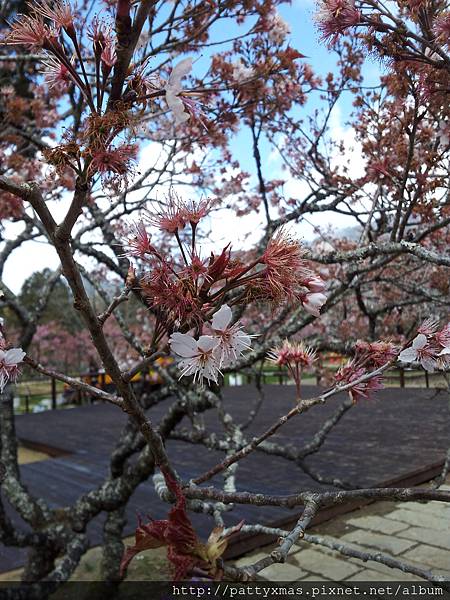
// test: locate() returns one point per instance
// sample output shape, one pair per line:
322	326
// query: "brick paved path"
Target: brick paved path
417	533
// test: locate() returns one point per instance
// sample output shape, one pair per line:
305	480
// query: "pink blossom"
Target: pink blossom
351	373
285	266
108	55
194	211
31	31
315	284
334	17
9	365
101	35
295	356
292	353
170	217
57	74
442	337
59	12
379	353
138	242
429	326
113	160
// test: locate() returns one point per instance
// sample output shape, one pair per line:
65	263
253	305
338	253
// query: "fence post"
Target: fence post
402	377
427	379
53	393
27	403
280	376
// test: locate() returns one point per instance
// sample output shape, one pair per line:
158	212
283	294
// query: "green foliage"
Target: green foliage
60	305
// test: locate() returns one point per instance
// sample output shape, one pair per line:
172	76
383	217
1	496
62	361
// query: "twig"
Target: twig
75	383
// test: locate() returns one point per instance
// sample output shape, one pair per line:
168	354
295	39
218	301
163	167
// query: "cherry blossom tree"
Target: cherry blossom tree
124	134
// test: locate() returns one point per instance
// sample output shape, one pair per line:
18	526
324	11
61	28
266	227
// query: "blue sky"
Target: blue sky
305	38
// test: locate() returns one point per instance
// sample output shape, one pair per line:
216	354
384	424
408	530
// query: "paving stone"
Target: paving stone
420	518
377	523
283	572
371	575
323	564
249	559
392	574
385	543
429	555
322	549
433	537
437	509
315	578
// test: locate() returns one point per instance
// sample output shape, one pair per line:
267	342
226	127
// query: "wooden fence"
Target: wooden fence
49	394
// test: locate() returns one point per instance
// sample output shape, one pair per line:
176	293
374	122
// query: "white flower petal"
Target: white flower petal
207	343
222	318
241	341
313	303
180	70
176	105
408	355
419	341
183	345
444	351
428	363
14	356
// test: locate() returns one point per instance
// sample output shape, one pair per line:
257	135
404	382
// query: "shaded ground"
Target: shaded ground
401	432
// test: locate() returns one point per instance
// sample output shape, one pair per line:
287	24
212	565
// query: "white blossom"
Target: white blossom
313	302
241	72
233	341
199	357
420	351
9	361
173	88
279	29
444	134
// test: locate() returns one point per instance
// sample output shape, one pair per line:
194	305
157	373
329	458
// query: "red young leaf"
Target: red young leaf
184	549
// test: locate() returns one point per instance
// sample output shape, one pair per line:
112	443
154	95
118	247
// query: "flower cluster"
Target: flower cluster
287	275
352	374
74	62
278	28
430	348
295	356
368	356
334	17
182	289
10	360
175	214
203	358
